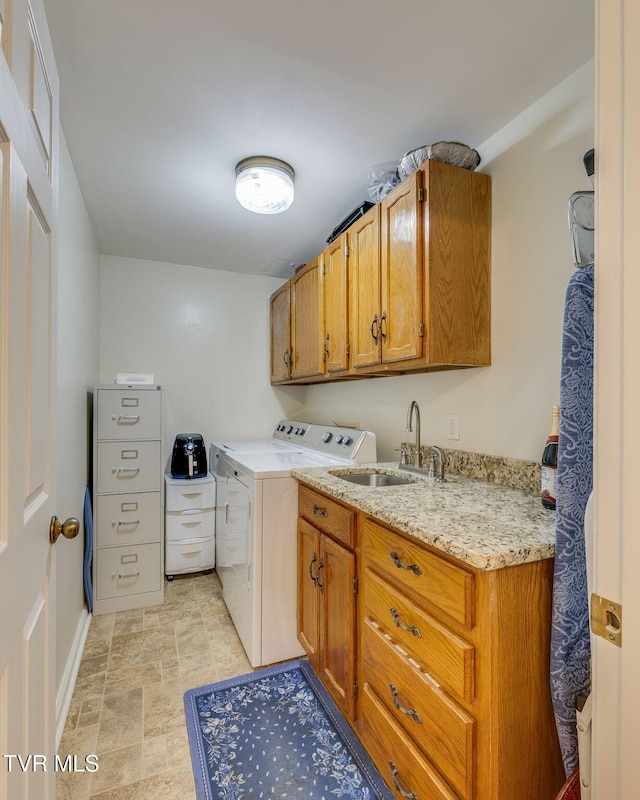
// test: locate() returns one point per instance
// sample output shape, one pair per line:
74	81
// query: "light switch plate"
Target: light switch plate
453	426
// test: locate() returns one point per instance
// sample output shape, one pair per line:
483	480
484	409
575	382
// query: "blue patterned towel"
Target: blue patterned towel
570	638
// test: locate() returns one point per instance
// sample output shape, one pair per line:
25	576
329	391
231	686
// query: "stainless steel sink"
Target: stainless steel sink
373	478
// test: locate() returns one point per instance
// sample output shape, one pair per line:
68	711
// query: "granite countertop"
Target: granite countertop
483	524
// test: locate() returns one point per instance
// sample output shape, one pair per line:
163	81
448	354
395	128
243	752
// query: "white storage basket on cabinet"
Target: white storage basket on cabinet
190	525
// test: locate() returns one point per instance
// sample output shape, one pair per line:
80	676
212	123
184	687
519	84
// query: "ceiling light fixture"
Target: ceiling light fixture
264	185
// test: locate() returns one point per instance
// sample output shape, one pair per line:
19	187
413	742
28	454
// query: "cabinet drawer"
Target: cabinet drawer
189	556
443	730
185	495
128	519
446	586
404	769
127	414
445	656
328	516
129	467
190	524
124	571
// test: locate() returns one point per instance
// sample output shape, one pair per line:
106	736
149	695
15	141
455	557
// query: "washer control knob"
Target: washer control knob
327	437
348	441
290	428
340	439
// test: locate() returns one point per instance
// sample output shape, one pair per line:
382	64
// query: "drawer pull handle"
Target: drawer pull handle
396	560
128	471
128	420
320	512
396	783
318	584
126	575
410	712
128	522
400	624
314	578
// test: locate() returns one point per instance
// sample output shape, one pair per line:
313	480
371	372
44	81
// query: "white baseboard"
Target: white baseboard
65	693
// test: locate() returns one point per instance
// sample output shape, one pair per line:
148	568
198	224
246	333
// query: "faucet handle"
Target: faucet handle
437	460
404	455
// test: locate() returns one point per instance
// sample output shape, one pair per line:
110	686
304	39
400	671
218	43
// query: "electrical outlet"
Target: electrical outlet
453	426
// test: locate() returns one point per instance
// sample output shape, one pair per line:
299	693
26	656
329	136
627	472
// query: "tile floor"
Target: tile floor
127	705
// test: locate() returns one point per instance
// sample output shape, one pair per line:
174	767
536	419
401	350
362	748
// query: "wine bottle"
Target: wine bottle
550	462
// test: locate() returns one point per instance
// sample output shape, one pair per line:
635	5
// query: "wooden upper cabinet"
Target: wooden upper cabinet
401	308
457	265
364	289
307	321
336	304
418	281
280	334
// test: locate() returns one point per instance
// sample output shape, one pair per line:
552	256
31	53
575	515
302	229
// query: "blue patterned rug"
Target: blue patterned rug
276	733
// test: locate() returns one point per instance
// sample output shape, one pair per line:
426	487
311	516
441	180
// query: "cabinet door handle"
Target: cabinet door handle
314	578
396	783
326	347
383	319
400	624
410	712
377	333
318	584
285	358
401	565
320	512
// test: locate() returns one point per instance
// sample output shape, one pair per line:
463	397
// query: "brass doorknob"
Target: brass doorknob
70	528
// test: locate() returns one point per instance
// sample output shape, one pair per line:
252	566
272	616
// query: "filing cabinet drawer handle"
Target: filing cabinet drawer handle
396	783
320	512
410	712
122	471
396	560
128	522
400	624
126	575
128	420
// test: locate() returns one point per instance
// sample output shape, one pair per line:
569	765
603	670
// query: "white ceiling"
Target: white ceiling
160	100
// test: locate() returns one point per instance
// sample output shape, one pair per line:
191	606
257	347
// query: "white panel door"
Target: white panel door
28	144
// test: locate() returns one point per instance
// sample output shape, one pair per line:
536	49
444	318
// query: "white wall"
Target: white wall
78	282
505	409
204	335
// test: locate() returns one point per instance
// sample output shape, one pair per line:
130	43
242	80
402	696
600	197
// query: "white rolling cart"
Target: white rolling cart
190	525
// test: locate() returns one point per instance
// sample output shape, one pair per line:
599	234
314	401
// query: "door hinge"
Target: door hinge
348	348
354	691
346	251
421	194
606	619
324	268
354	585
421	329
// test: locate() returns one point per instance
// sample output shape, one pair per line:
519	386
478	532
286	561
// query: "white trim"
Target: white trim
67	685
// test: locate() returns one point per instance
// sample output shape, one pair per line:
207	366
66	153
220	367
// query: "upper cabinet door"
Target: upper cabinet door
364	289
280	334
307	321
401	262
336	303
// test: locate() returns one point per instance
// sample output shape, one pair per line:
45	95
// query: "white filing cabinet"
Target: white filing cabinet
190	525
128	552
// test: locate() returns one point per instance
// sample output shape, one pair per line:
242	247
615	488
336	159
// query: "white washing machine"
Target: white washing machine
256	529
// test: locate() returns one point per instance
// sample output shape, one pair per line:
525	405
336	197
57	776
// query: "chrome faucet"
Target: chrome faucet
414	407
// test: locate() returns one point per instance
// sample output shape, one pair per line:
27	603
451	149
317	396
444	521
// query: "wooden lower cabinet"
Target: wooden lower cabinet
452	662
327	600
